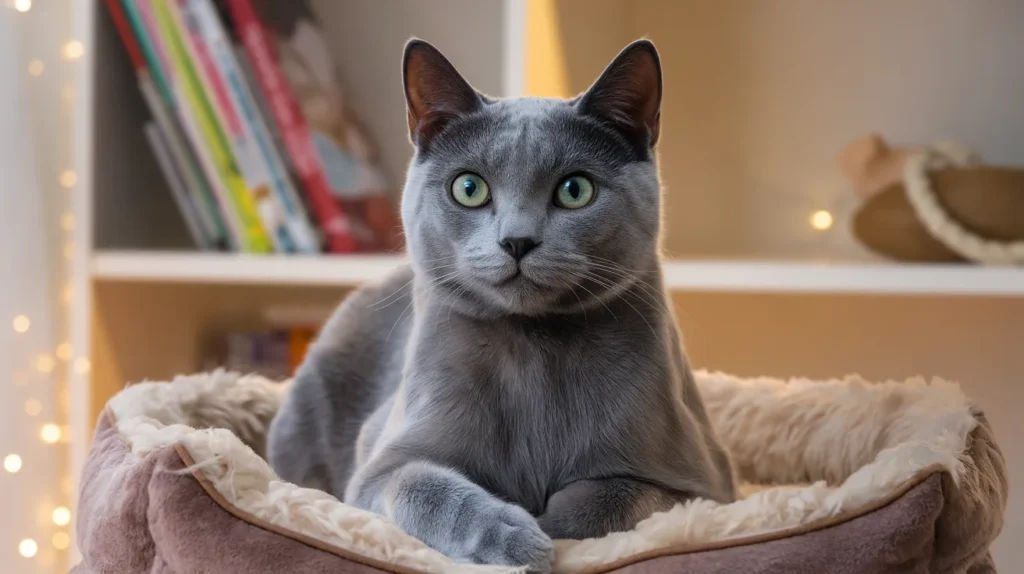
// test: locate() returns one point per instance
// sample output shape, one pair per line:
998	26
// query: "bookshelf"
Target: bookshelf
746	156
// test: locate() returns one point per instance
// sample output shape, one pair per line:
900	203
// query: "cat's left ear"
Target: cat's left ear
435	92
628	94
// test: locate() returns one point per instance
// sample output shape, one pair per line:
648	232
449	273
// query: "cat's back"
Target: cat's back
374	318
354	365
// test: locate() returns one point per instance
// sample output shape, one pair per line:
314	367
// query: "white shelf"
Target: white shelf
846	278
172	267
728	276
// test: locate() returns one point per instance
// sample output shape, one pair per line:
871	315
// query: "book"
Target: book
216	195
277	349
237	102
162	152
327	147
206	130
302	323
264	109
282	151
194	58
198	205
274	353
264	353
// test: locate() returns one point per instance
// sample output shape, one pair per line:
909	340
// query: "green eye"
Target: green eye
574	192
471	190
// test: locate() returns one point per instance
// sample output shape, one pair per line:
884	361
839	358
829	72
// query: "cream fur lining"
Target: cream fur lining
854	441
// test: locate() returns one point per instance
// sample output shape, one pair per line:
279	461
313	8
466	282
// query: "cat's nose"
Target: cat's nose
518	247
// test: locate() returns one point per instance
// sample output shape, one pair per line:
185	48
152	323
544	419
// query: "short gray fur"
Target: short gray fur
488	405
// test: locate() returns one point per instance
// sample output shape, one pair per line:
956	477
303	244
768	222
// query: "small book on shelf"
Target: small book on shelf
275	351
175	180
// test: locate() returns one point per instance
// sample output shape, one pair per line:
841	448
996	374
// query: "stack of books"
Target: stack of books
274	351
251	128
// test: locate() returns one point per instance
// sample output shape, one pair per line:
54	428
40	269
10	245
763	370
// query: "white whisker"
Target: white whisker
399	290
624	300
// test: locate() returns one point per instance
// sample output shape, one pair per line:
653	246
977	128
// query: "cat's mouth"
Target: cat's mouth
510	278
520	282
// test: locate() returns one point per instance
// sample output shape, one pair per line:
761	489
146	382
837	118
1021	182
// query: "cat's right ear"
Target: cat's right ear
435	93
627	96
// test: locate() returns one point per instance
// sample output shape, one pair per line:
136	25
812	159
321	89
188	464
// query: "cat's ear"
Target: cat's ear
435	93
628	94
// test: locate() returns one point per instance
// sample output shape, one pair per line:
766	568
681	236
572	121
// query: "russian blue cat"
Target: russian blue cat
522	379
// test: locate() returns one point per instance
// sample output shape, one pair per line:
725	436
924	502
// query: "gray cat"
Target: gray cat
523	380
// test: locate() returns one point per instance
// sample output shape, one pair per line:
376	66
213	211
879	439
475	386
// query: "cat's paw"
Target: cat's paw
514	538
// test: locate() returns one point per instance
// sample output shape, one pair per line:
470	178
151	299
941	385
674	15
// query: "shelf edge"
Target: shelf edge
705	276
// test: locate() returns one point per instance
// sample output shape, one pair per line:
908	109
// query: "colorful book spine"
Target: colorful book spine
292	127
274	353
162	152
208	30
299	340
207	128
197	203
206	180
264	110
245	154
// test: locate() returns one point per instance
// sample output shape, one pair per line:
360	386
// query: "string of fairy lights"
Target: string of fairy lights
55	365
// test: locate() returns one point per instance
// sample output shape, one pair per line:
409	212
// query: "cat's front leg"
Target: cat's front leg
453	515
593	508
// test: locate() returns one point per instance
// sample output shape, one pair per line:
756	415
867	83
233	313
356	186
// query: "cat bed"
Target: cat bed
839	476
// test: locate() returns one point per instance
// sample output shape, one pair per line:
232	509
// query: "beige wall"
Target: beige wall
760	96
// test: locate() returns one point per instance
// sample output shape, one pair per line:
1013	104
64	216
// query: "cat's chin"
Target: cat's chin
516	294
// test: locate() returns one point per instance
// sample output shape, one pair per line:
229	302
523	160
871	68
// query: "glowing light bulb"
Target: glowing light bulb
821	220
45	363
61	516
12	463
69	250
68	178
82	365
50	433
28	548
21	324
72	50
67	294
64	351
67	222
61	540
35	68
33	407
22	5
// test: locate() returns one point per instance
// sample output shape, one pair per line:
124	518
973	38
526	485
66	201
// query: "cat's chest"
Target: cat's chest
522	414
519	392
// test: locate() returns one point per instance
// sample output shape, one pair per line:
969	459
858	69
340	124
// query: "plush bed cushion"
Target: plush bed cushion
160	496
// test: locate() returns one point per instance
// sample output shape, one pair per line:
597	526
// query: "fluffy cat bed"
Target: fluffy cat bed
841	476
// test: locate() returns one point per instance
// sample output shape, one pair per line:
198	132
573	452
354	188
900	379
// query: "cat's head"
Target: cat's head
532	205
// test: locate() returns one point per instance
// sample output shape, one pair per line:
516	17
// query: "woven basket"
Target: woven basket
988	201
